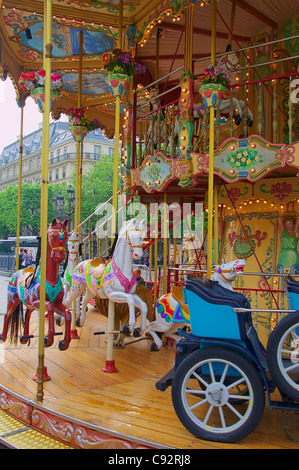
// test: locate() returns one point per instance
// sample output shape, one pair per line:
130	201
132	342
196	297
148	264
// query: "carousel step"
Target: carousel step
16	435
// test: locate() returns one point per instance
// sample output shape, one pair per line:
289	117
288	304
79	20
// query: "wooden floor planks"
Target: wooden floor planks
125	402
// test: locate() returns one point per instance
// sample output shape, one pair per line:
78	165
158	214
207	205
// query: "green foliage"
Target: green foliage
97	185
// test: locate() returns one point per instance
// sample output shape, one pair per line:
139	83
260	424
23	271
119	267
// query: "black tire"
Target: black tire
283	355
214	396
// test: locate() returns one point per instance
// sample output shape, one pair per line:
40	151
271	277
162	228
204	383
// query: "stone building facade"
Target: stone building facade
62	155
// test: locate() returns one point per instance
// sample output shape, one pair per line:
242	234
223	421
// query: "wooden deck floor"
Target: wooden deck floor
125	402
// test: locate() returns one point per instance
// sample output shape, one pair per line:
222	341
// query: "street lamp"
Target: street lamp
59	202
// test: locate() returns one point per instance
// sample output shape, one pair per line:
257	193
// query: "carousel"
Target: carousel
201	98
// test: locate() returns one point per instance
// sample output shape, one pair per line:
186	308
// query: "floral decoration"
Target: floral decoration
244	159
122	62
77	117
30	80
217	75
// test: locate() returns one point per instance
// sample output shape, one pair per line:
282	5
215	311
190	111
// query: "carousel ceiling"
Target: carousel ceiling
144	21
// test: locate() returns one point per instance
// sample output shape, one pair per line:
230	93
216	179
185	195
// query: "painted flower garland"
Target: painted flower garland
244	159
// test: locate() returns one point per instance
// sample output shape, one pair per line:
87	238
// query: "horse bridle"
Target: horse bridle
129	241
54	248
221	271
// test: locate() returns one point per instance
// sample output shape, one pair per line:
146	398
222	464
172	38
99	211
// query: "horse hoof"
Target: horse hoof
47	343
238	120
249	122
137	332
78	323
58	321
154	347
62	345
126	330
23	340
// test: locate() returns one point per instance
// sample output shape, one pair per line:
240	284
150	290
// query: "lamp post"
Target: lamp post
59	202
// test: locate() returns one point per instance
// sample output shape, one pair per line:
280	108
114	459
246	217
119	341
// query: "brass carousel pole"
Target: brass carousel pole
211	154
79	146
19	189
44	194
110	365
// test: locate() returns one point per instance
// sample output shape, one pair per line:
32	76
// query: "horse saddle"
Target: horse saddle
24	279
177	294
96	268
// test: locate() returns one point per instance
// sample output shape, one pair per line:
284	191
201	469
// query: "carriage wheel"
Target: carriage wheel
283	355
218	395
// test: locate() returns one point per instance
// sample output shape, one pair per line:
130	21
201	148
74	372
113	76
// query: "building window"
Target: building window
97	150
110	151
63	172
50	176
57	173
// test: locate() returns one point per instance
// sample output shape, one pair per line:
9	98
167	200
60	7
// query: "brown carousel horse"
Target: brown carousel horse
24	289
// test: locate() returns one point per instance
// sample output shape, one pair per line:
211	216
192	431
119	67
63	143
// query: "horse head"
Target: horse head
135	233
73	244
57	237
228	272
191	241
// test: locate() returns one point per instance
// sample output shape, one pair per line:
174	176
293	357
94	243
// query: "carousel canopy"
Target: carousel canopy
144	23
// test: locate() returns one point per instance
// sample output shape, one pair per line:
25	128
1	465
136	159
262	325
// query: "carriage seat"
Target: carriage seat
214	293
211	309
292	285
178	295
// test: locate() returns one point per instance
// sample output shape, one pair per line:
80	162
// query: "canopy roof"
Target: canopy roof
21	40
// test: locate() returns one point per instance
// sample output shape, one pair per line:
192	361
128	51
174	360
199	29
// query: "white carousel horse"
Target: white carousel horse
73	245
170	315
114	280
191	243
178	252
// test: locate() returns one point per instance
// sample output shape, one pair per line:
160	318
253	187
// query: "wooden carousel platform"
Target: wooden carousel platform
84	407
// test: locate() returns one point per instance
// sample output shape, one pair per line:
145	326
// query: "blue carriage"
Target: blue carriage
222	372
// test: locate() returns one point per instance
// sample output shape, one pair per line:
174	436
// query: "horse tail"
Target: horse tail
16	321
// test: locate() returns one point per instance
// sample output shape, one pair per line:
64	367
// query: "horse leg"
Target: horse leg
143	309
87	297
74	294
49	339
121	297
61	309
157	327
28	313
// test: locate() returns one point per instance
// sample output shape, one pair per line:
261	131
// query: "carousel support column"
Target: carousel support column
77	191
231	26
186	104
165	243
211	155
156	254
44	195
110	364
19	189
216	248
